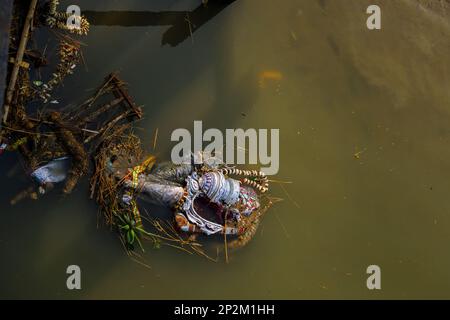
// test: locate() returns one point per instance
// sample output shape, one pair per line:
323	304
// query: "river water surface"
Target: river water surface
364	119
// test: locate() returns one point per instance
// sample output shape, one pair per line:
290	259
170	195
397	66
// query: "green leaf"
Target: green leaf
133	236
129	239
140	244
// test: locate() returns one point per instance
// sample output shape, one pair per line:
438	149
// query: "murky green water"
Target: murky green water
383	95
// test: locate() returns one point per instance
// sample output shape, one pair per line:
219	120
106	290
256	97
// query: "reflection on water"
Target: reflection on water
363	118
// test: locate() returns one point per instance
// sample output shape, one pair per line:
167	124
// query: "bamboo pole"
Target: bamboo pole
18	60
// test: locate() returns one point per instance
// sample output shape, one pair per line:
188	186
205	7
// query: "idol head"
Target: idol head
219	189
228	191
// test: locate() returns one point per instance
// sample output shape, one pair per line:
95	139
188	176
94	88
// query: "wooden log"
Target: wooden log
18	59
5	24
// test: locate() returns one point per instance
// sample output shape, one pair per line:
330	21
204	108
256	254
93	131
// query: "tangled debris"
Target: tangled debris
40	135
55	19
96	138
69	52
